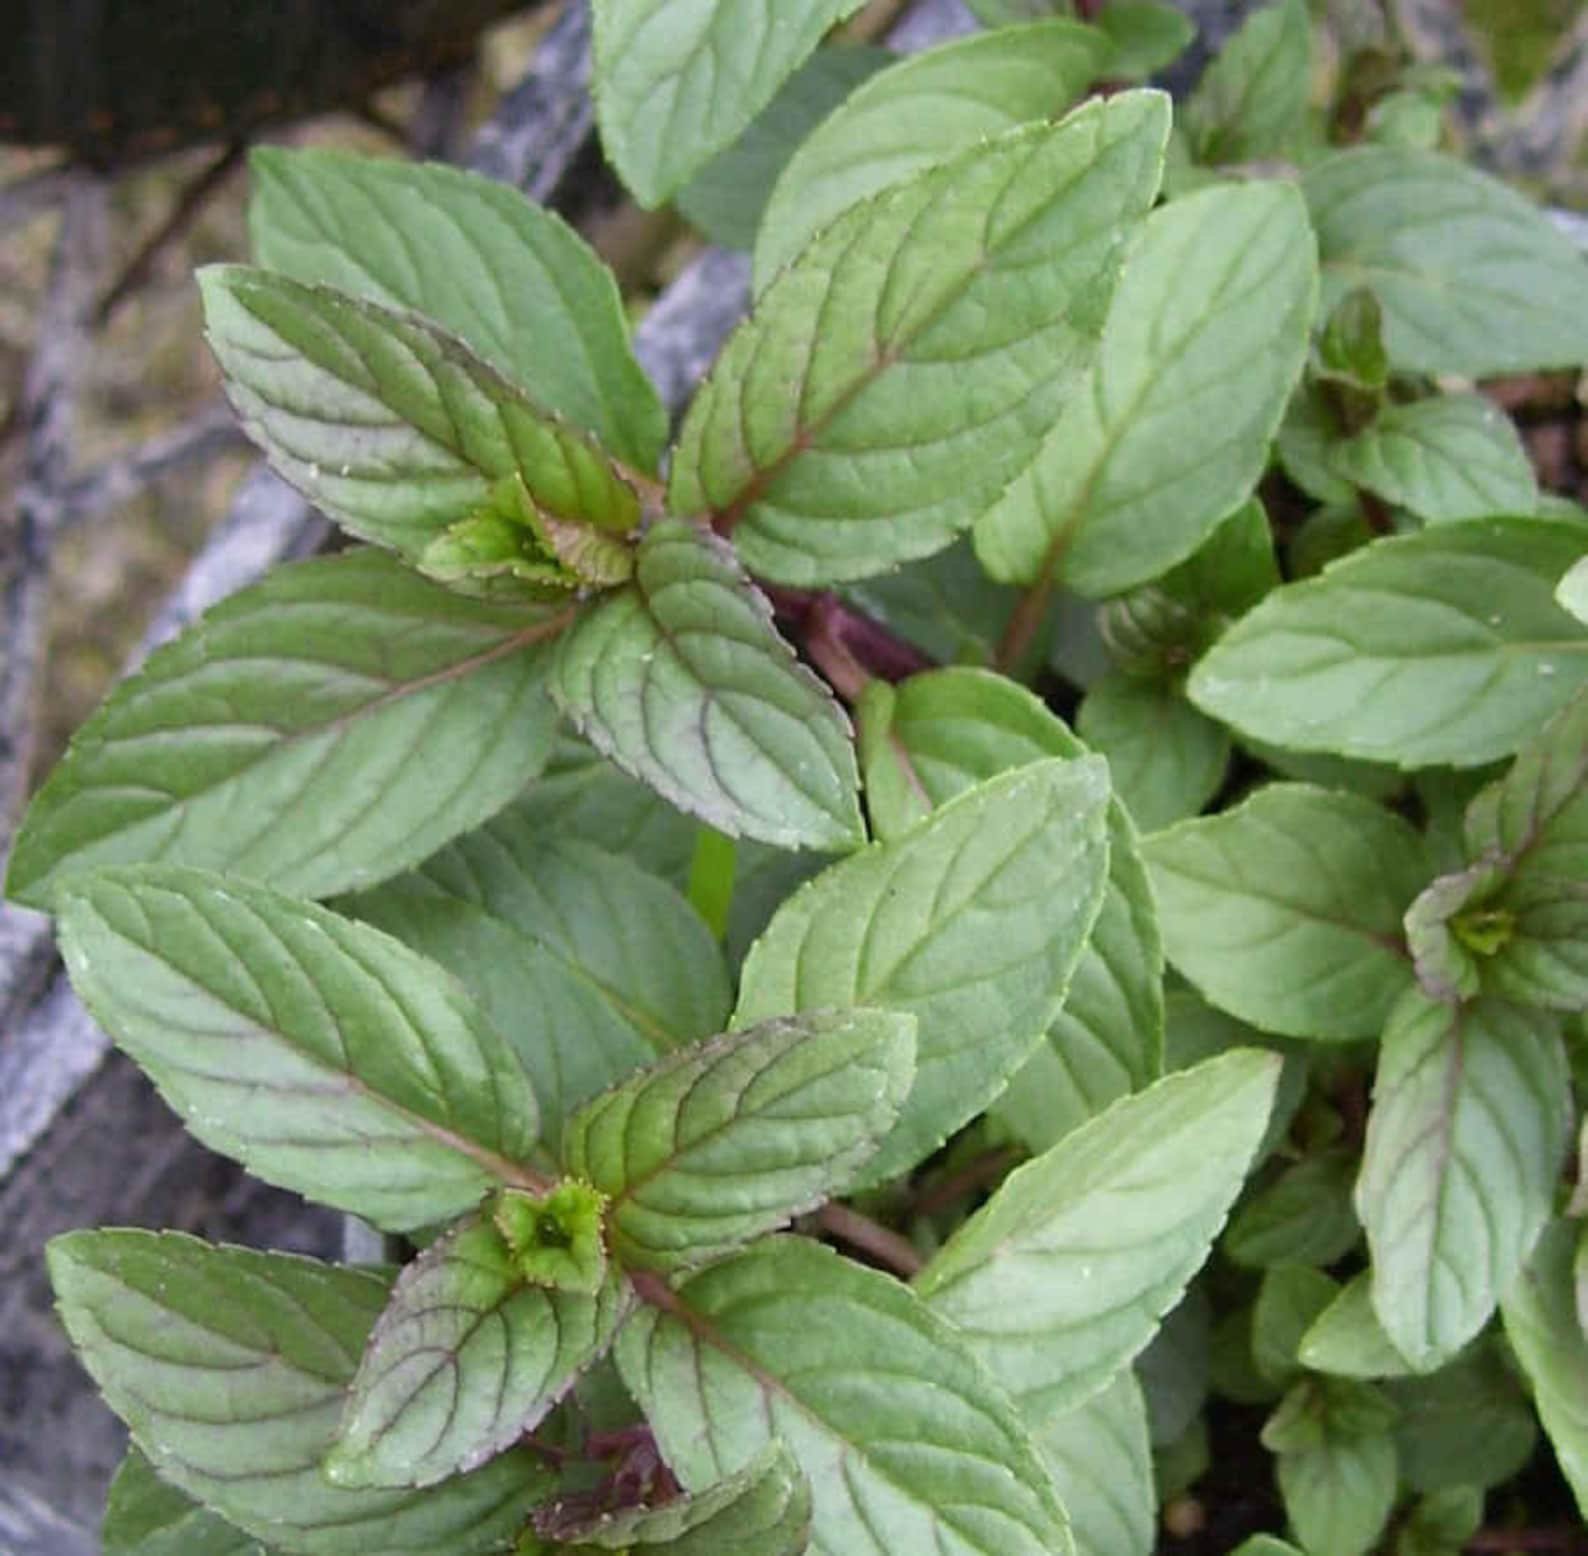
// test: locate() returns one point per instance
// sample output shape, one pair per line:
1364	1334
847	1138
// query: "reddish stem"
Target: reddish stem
886	1247
975	1174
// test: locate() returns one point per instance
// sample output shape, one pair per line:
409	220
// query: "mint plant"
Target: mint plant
905	1125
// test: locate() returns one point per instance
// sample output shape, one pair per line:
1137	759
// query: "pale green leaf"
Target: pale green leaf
1571	593
1286	911
1101	1464
1204	343
467	1356
972	921
1457	456
1464	1144
322	1054
682	680
922	111
765	1509
1445	647
935	736
1166	759
1303	1217
678	80
585	963
1347	1340
1339	1494
230	1368
906	1442
1472	277
1062	1277
393	427
511	279
1469	1424
331	725
1253	96
895	377
727	197
735	1137
1540	1313
146	1517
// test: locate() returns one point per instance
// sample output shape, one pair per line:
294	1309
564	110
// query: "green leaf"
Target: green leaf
1339	1489
784	1112
1469	1424
1232	569
678	80
1147	37
1286	910
330	725
230	1368
920	112
933	737
1347	1340
945	604
1571	593
146	1517
585	963
1457	456
1061	1278
727	198
1303	1217
393	427
1473	278
1441	1525
1289	1300
1541	1323
907	1444
1464	1144
1266	1545
1351	347
765	1508
1253	97
509	278
1166	759
682	680
467	1357
1173	1370
323	1055
1138	471
955	313
1442	647
1101	1464
973	921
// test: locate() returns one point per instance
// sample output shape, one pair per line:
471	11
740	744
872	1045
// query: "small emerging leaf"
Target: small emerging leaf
554	1239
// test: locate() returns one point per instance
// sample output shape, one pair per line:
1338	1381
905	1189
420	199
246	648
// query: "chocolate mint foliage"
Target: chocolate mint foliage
817	1099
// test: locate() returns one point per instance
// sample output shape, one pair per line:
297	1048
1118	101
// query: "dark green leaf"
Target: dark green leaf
1340	1487
1166	759
146	1517
1464	1144
1441	1524
734	1137
1442	647
727	197
1146	36
467	1356
956	312
511	279
1303	1217
1061	1278
1253	97
392	426
1289	1301
1286	910
682	680
323	1055
230	1369
1473	279
922	111
1213	310
678	80
585	963
327	727
972	921
906	1443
